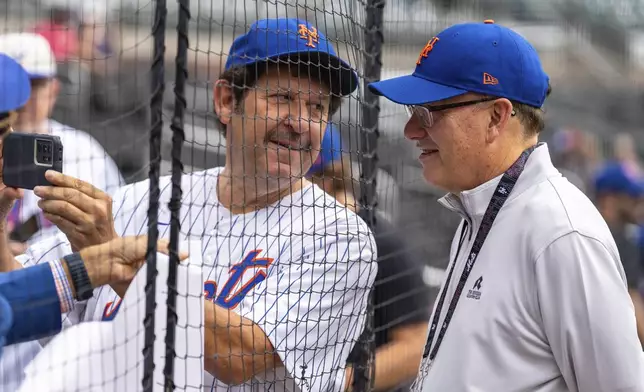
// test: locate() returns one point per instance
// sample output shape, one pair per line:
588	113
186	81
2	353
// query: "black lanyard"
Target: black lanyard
499	197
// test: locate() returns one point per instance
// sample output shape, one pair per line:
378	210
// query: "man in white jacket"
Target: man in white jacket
535	298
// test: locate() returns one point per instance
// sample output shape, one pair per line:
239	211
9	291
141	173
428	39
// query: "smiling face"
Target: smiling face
452	148
467	145
276	131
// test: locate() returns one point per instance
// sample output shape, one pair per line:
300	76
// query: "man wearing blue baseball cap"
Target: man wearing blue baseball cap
287	269
535	297
619	192
281	84
295	81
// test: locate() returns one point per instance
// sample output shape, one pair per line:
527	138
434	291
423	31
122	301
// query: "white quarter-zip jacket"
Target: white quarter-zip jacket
545	307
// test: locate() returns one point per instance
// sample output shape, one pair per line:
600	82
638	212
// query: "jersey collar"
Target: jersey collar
472	204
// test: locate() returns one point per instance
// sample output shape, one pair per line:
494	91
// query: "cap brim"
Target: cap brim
413	90
33	76
636	190
341	77
14	83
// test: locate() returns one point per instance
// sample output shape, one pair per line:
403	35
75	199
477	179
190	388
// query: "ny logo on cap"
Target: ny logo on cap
428	48
311	35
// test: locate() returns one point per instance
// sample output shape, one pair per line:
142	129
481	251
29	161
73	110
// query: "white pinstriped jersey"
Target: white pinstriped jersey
301	269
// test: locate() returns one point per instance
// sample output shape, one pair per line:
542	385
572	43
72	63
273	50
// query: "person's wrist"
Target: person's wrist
79	276
113	235
5	242
92	265
68	276
4	229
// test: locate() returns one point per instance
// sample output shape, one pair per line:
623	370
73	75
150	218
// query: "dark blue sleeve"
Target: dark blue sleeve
6	321
31	293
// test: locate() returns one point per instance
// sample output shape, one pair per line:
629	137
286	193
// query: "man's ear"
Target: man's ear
501	112
55	90
223	101
55	85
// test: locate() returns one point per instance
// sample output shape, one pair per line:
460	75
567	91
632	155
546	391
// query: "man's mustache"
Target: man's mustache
289	139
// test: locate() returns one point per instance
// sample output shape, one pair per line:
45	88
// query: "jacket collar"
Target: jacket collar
472	204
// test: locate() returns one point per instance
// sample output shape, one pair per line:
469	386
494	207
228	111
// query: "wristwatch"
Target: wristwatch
80	278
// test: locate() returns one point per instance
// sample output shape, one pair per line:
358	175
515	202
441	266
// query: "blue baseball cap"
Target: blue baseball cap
616	177
15	87
275	39
330	150
482	58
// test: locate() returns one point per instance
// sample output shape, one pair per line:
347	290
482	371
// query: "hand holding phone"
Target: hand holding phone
26	158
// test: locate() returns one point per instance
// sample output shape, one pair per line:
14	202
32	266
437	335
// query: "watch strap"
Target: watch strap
80	278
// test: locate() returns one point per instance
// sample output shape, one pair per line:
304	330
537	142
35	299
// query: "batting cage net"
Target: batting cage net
249	214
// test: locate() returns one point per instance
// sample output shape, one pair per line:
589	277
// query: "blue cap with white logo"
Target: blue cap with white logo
277	39
15	87
482	58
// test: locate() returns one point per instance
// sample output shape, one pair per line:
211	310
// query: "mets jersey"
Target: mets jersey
301	269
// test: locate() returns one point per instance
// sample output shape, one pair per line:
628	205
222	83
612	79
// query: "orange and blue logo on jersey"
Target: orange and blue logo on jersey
111	309
228	298
230	295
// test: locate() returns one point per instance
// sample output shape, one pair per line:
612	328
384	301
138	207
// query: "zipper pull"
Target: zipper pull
466	228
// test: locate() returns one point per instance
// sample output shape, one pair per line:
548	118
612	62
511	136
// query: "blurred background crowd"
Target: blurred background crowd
592	50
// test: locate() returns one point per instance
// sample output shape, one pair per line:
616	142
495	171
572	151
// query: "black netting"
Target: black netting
280	175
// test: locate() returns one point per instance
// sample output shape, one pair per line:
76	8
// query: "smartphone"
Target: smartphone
26	158
25	230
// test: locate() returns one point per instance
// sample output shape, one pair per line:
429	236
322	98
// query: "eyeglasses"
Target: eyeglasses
426	114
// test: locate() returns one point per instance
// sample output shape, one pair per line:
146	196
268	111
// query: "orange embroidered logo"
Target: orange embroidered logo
310	35
489	79
428	48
